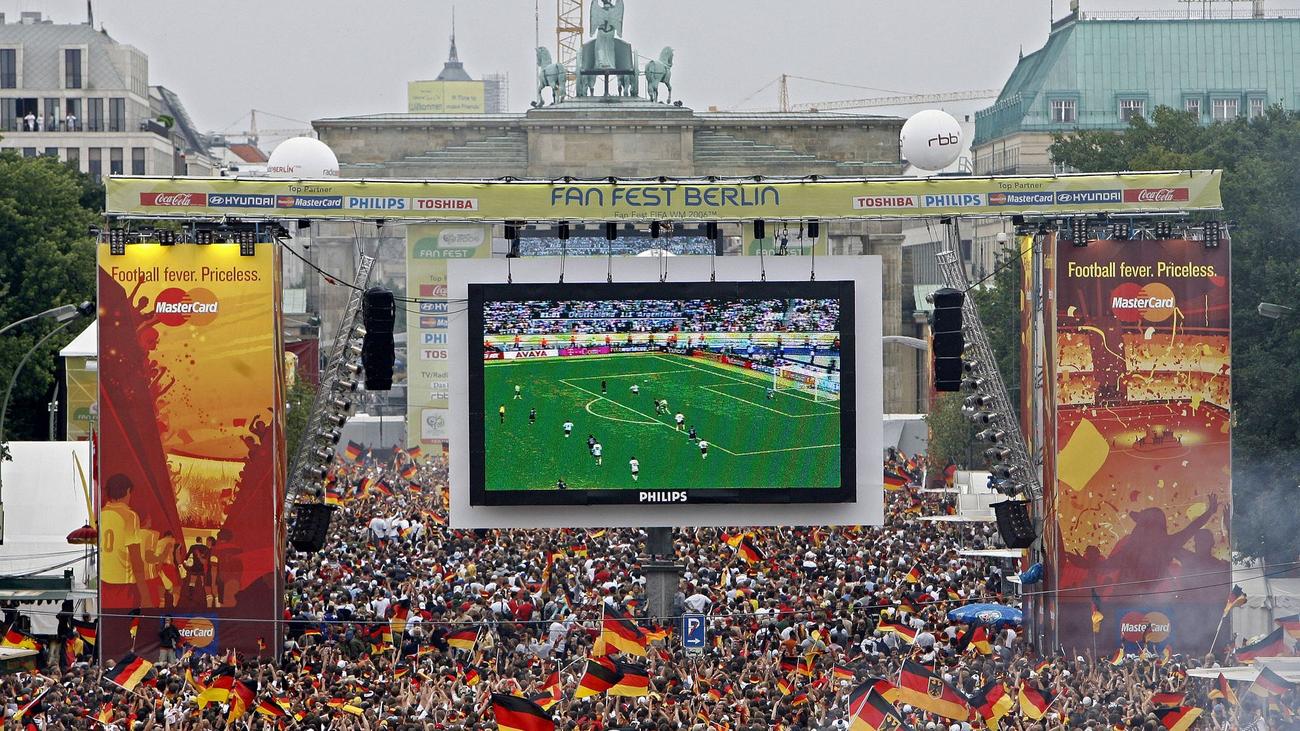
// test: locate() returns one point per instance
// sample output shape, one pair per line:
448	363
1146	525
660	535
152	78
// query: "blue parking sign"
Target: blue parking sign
693	632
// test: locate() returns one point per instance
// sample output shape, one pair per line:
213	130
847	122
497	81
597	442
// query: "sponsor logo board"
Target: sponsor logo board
1156	195
175	307
174	200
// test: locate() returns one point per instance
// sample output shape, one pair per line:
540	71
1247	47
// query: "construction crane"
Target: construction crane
253	133
896	98
569	36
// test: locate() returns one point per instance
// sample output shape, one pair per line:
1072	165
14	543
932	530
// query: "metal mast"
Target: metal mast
568	37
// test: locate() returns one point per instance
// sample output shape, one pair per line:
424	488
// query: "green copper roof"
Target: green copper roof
1098	63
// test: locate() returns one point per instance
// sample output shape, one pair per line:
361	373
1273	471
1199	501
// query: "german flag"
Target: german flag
1042	665
415	452
353	451
383	488
839	672
978	638
633	680
401	612
789	665
799	700
894	482
992	702
1097	616
16	639
656	633
35	707
409	471
1118	658
363	487
1236	598
749	551
1168	700
463	639
1222	690
601	675
105	714
904	632
270	709
734	540
924	689
579	550
218	687
883	688
545	699
135	623
241	698
621	633
86	630
1178	719
913	575
129	671
875	713
1034	702
333	497
1269	683
414	488
908	604
805	667
1272	645
784	685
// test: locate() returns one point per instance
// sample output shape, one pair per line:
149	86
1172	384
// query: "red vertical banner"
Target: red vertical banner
191	451
1143	442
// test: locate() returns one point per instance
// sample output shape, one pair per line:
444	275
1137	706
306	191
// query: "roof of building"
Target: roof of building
164	101
247	152
1097	63
453	69
41	41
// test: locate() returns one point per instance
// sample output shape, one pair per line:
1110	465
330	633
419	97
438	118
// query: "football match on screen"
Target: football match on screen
640	400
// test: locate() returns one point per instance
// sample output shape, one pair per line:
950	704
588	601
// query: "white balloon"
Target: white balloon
931	140
303	157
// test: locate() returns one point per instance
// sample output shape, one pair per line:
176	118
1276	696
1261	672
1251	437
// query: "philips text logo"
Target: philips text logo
953	200
670	496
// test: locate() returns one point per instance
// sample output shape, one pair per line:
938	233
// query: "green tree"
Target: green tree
301	396
46	211
998	300
952	435
1260	159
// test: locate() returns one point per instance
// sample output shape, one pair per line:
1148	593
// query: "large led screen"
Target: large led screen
661	393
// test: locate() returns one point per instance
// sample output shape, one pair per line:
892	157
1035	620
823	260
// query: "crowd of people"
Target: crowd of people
690	315
520	611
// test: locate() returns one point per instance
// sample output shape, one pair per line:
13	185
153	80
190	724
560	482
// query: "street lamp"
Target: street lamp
64	315
1273	311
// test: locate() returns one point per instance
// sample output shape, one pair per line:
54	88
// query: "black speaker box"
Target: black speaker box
311	526
1014	524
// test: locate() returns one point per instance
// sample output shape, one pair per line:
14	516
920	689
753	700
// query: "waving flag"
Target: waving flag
633	680
875	713
129	671
1222	690
921	687
1097	616
1271	645
992	702
513	713
1291	624
621	632
1269	683
1034	702
601	675
1236	598
1178	719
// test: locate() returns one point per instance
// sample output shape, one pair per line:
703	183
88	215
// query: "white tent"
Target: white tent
85	345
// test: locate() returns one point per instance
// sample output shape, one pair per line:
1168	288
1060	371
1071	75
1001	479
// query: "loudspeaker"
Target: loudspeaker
378	313
814	229
611	231
760	229
311	526
946	340
1014	524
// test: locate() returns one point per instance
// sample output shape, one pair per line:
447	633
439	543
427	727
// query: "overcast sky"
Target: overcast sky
308	59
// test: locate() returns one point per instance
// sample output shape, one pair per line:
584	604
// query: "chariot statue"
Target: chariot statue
660	72
553	76
607	55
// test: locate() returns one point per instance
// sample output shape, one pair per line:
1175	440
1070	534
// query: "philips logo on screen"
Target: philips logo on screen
667	496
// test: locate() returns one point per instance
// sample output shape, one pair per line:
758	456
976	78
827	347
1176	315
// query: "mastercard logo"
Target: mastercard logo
197	632
1141	628
1137	303
175	307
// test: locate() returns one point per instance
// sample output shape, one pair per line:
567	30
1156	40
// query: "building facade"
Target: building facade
72	92
1096	73
638	139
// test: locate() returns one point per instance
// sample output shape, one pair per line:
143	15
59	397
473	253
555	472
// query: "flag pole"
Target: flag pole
1217	630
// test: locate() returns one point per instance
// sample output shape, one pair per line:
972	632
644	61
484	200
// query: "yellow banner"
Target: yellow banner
428	382
445	97
696	200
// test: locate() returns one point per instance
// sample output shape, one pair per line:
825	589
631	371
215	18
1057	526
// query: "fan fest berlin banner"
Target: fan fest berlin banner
428	247
191	446
1143	442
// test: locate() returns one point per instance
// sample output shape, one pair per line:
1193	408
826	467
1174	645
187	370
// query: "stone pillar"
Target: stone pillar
663	574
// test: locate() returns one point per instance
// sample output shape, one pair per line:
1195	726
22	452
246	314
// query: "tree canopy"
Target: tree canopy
46	211
1260	160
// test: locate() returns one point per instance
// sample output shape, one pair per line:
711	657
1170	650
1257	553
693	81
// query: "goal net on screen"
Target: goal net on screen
806	384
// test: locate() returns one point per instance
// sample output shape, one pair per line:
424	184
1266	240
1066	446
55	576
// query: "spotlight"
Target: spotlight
979	401
1121	231
359	331
324	455
166	237
333	436
336	420
341	406
970	367
992	436
973	384
117	248
315	472
1211	232
987	417
353	369
346	385
1079	231
354	350
1164	230
203	236
997	454
1004	471
247	248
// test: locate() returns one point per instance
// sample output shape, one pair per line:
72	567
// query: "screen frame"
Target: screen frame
480	293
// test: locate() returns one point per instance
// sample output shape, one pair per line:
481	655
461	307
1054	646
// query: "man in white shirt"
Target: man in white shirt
378	529
636	468
698	603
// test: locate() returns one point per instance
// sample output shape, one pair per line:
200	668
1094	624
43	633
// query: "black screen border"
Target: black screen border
477	293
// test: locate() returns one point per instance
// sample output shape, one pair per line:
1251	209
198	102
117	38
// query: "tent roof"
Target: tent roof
85	345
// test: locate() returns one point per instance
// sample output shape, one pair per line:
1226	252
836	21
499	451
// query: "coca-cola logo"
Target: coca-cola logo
1156	195
175	307
174	200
